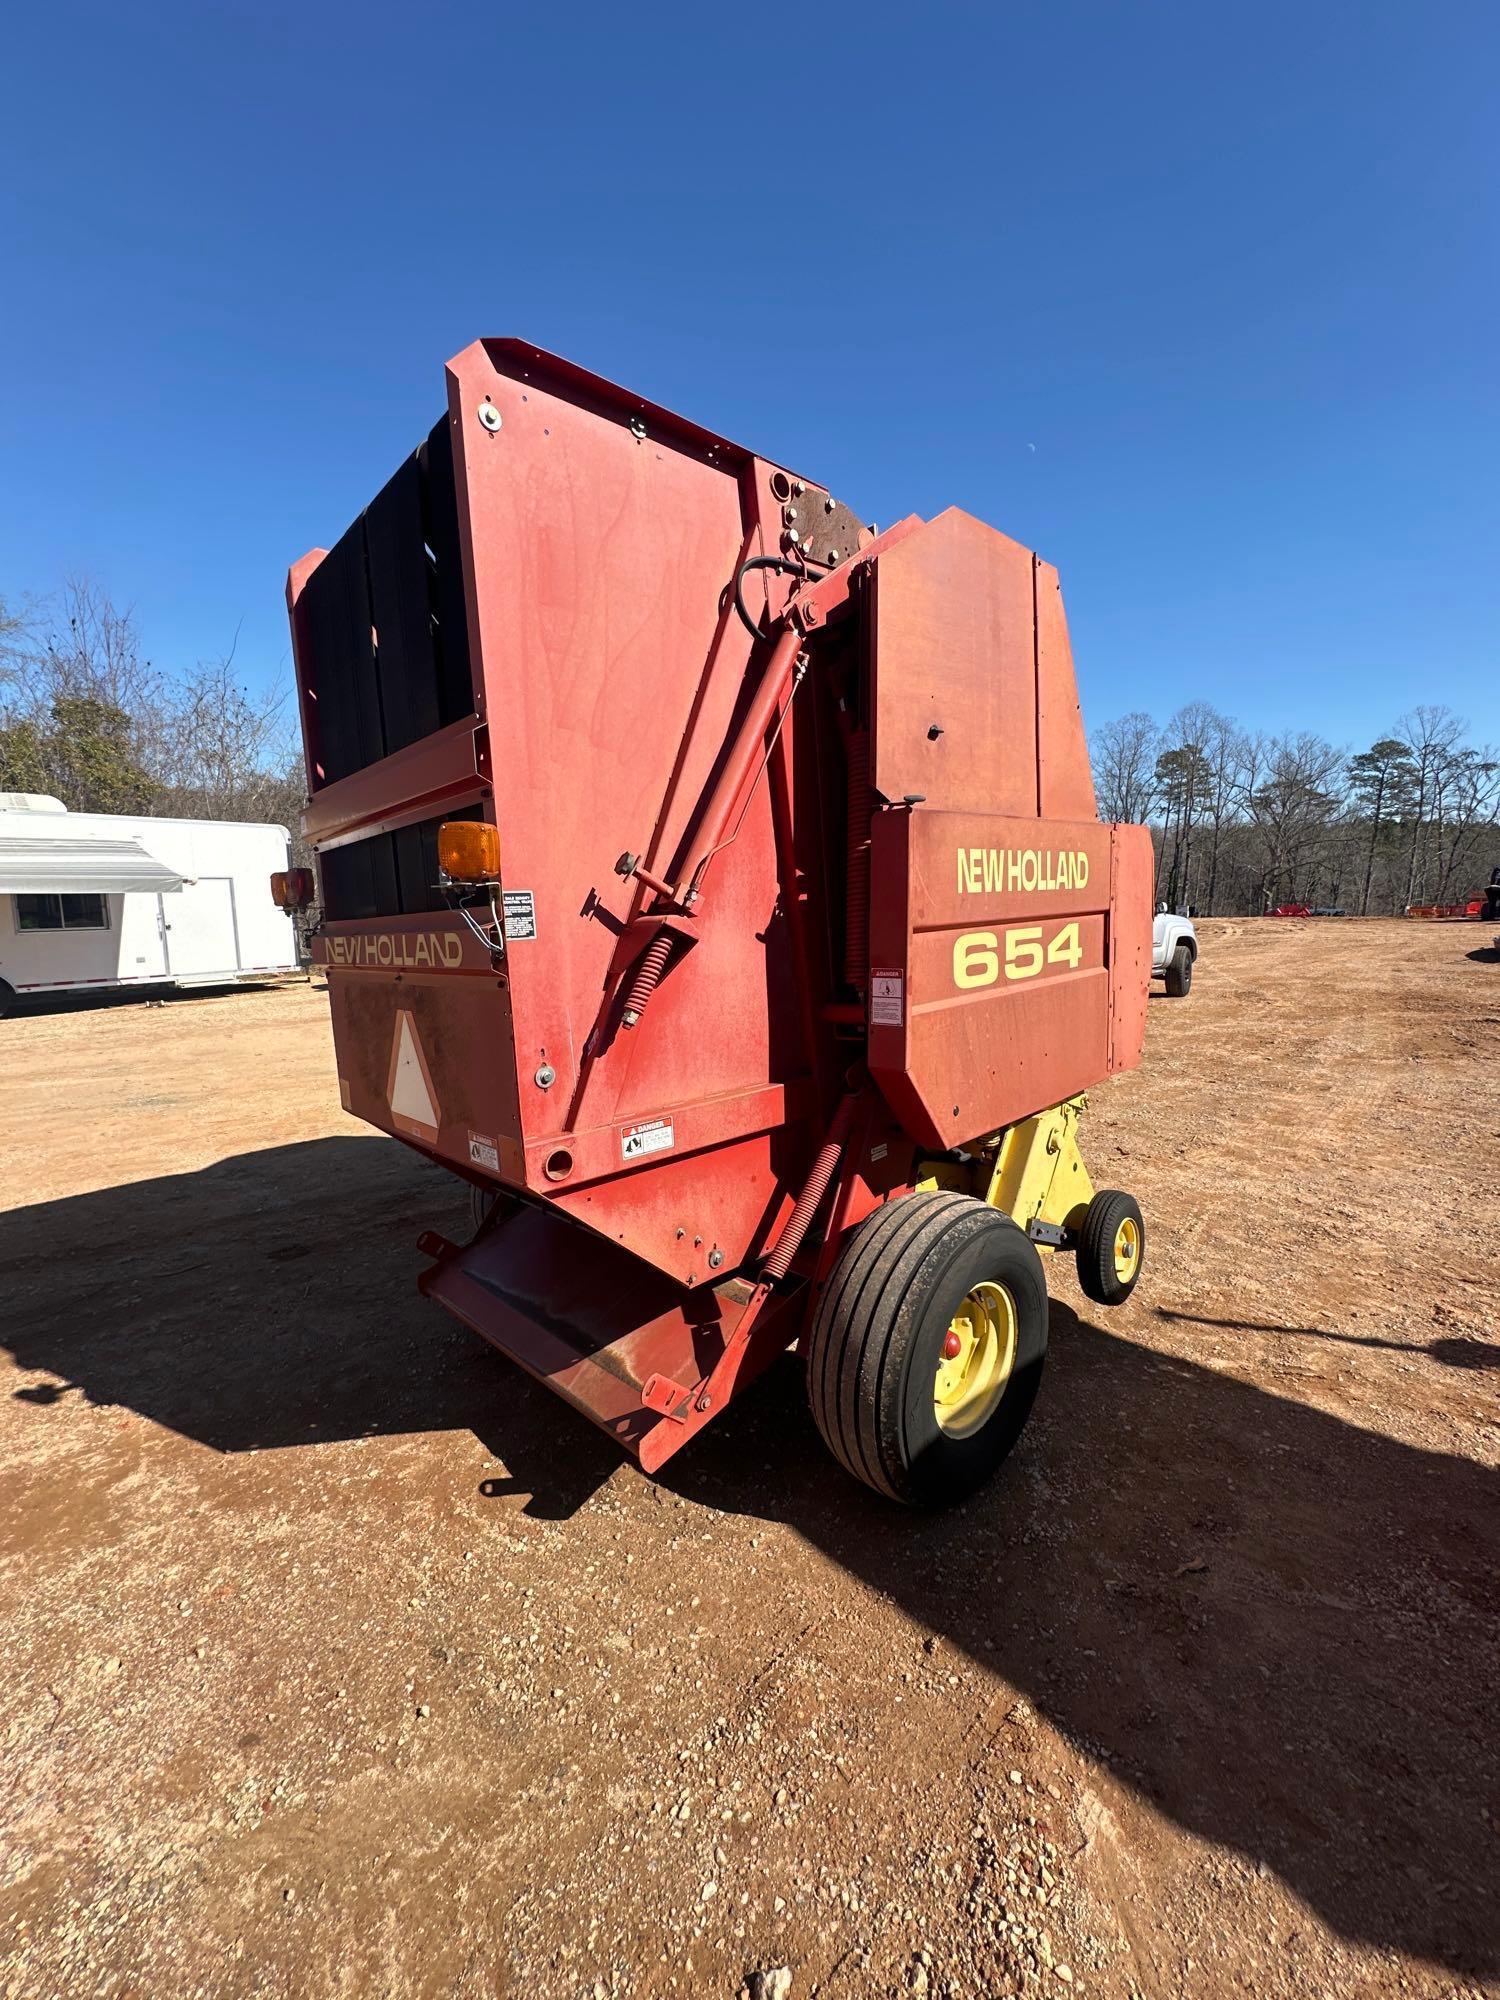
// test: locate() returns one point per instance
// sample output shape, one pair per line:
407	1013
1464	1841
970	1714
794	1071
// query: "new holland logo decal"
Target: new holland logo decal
407	949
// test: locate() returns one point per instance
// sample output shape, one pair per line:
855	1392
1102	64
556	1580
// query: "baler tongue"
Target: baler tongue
594	1323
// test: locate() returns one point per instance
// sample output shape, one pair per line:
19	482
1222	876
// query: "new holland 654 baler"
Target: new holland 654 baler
717	884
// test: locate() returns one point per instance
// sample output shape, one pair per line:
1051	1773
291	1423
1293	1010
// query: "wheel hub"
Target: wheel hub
979	1352
1127	1248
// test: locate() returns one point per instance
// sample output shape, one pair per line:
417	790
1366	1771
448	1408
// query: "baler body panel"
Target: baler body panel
975	702
1002	966
997	939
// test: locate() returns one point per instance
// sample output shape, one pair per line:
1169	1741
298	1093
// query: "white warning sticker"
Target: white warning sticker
520	914
484	1152
887	998
653	1135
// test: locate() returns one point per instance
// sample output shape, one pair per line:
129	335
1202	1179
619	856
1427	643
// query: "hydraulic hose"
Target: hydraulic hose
780	566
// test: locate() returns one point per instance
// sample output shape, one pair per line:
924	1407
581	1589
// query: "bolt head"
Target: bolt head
489	416
715	1258
546	1076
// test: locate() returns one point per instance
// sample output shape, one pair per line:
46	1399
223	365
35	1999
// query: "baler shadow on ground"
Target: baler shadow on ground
1277	1628
270	1301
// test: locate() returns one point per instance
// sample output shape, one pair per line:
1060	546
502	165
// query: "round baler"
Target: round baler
716	884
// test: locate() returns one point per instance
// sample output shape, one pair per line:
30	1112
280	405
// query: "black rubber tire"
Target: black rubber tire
7	999
1179	973
877	1338
1096	1247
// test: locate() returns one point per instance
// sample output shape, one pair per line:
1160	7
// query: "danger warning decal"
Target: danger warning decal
653	1135
887	998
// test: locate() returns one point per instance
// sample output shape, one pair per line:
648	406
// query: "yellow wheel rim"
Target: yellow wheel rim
972	1378
1127	1249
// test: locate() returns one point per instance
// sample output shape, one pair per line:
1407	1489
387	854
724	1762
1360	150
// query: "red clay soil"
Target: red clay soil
342	1660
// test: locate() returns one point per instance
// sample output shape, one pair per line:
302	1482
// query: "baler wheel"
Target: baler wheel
1111	1247
927	1347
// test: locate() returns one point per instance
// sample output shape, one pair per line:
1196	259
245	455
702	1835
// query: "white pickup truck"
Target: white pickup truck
1174	951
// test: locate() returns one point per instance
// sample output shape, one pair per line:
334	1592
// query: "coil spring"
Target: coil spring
824	1167
649	968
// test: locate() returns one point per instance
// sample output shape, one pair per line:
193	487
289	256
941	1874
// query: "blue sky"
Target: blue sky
1198	300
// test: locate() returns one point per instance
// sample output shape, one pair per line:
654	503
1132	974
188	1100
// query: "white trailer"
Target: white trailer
90	901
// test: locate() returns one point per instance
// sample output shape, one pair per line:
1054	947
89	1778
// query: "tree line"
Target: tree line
1243	821
86	717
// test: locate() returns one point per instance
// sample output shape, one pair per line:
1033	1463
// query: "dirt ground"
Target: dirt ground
342	1660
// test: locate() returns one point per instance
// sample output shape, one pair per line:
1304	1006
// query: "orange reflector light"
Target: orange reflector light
292	888
469	850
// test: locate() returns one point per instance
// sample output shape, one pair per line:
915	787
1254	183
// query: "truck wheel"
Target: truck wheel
7	999
927	1347
1111	1247
1179	974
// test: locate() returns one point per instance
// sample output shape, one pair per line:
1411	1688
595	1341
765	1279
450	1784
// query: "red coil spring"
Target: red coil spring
824	1167
649	968
857	852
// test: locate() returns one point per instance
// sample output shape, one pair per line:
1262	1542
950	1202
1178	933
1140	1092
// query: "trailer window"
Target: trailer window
62	913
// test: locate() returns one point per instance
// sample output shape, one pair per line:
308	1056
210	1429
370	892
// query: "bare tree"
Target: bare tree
1431	735
87	715
1196	771
1221	758
89	649
1124	755
17	644
1292	800
1467	794
219	752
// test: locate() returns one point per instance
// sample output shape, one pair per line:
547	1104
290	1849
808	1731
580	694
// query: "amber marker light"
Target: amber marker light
469	850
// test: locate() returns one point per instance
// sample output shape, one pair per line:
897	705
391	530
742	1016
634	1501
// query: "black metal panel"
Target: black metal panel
455	675
416	865
388	875
399	599
340	659
384	644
